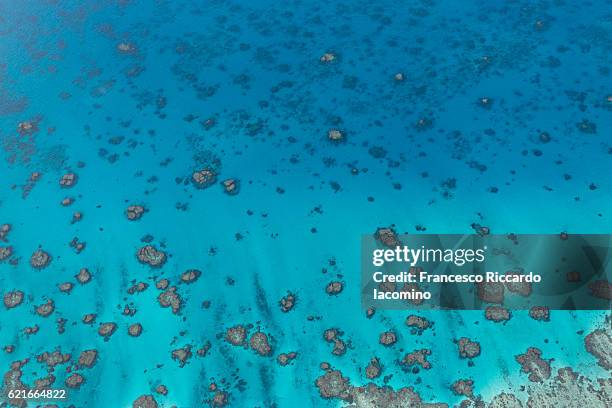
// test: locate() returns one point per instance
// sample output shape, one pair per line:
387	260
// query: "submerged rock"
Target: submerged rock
373	369
27	127
65	287
570	389
138	288
220	399
480	229
4	231
387	338
84	276
151	256
126	48
61	325
490	292
89	318
76	217
190	276
520	288
45	382
468	348
162	284
464	387
335	135
170	298
145	401
88	358
505	400
334	288
77	245
334	385
231	186
203	178
287	303
328	57
333	336
601	289
75	380
106	330
417	324
540	313
134	212
387	236
13	299
203	351
285	358
40	259
497	314
54	358
31	330
236	335
45	309
531	363
417	357
182	355
260	343
599	344
135	330
5	253
68	180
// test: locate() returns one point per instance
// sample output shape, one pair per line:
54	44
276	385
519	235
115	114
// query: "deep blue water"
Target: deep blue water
239	87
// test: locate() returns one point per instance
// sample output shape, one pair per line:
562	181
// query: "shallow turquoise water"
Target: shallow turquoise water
254	68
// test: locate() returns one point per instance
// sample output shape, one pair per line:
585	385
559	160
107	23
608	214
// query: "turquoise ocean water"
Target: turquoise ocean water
134	96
